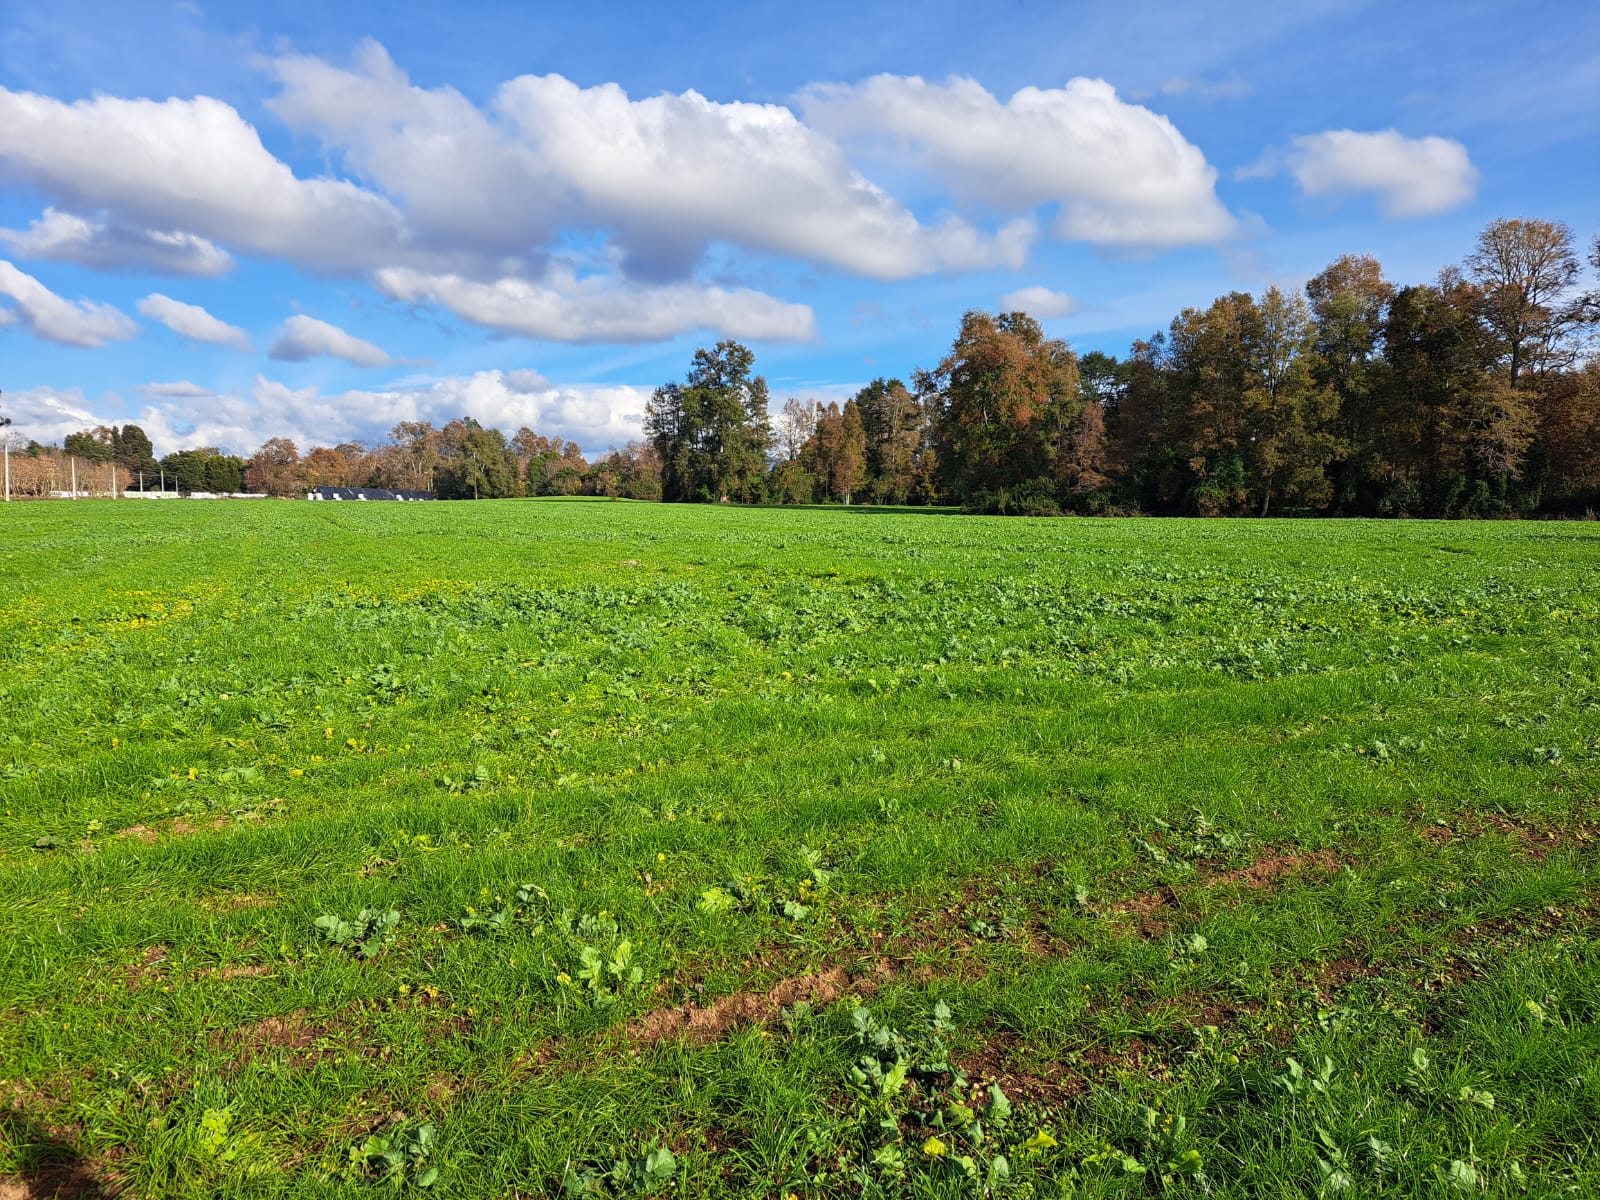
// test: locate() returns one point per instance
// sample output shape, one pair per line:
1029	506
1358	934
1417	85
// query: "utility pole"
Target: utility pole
72	465
8	469
113	481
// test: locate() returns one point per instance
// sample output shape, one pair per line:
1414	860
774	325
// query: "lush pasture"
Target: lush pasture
758	852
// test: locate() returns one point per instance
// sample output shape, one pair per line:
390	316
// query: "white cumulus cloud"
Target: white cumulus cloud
192	322
1409	177
563	308
195	166
304	337
1120	174
103	244
666	176
473	206
49	316
1040	303
46	415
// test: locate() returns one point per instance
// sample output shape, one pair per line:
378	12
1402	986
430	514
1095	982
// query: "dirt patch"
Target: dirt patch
292	1032
1530	843
150	968
1199	1009
354	1126
1535	840
1131	1055
182	828
1003	1060
1343	971
73	1180
1147	908
53	1169
440	1089
177	828
699	1024
243	971
1272	869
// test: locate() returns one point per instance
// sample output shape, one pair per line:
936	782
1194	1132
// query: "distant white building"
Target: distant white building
366	493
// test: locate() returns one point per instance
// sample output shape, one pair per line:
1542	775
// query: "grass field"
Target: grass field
542	848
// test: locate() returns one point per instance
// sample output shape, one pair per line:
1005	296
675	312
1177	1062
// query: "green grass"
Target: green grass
1246	858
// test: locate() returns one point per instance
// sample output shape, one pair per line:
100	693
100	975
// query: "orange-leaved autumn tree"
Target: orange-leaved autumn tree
838	451
1002	402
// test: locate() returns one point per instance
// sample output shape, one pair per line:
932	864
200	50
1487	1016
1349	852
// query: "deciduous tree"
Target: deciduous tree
275	469
1524	270
896	434
839	451
712	431
998	401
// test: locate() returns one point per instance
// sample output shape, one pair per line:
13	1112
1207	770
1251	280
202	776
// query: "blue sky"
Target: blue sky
227	222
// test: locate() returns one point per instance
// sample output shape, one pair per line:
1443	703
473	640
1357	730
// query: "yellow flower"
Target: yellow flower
296	772
934	1148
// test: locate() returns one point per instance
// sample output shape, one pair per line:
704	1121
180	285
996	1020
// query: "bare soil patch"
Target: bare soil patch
1004	1060
699	1024
1272	869
1145	908
293	1032
150	968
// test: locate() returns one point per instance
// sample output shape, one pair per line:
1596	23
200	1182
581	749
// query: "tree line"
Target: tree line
1476	394
461	460
1472	395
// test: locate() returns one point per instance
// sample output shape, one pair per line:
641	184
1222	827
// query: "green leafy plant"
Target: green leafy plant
601	966
367	935
638	1175
921	1119
397	1159
1299	1082
491	923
